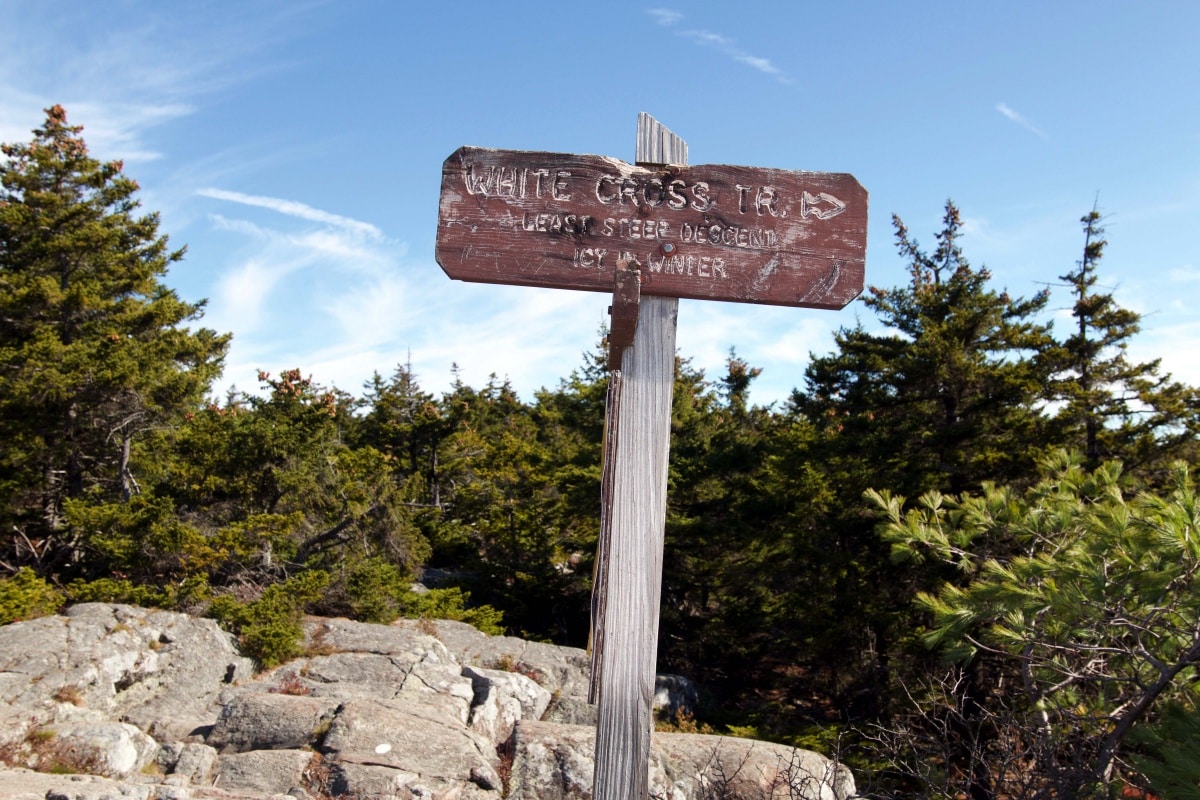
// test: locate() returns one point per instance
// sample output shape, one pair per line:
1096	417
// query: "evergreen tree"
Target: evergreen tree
729	569
945	398
1089	616
509	506
1112	408
273	481
1169	752
94	348
405	423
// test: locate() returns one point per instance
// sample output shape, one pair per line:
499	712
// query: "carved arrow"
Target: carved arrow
809	203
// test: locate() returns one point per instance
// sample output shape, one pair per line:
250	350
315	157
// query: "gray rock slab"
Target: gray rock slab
747	768
429	677
555	762
442	685
161	671
364	780
24	784
572	711
87	787
266	771
349	675
270	721
335	635
193	763
408	740
197	663
112	749
502	699
552	762
562	670
384	663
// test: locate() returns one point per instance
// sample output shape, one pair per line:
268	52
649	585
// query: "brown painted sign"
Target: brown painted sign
709	232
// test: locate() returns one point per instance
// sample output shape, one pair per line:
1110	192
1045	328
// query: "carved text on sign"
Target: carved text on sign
519	183
650	229
651	263
712	232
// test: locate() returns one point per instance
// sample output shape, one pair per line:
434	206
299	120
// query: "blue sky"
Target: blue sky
296	149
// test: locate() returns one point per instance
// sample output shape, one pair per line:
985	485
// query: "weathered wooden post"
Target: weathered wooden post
650	233
628	581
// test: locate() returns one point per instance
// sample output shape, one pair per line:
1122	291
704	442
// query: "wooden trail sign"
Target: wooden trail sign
713	232
649	233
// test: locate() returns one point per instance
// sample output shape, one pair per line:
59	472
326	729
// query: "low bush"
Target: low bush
25	595
451	604
269	628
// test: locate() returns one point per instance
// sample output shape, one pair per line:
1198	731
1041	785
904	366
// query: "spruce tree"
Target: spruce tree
94	348
944	398
1112	407
404	422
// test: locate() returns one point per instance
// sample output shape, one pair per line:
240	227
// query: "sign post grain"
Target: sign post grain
633	521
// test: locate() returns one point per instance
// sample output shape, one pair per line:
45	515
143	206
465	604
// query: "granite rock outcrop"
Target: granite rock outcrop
113	701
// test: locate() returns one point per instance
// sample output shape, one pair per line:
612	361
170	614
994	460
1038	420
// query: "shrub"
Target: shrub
27	596
42	750
68	694
1170	752
293	685
451	603
371	590
269	628
189	592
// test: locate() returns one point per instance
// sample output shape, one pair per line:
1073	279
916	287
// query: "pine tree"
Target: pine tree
1089	620
729	566
505	514
94	348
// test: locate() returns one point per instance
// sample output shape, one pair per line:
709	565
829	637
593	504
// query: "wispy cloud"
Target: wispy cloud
723	44
665	16
112	130
352	303
274	250
121	129
128	68
243	291
253	275
1018	118
293	208
1185	274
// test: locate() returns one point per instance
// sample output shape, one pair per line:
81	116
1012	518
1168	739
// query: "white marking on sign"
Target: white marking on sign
809	203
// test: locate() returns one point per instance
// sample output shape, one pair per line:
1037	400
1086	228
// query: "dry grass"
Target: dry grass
68	694
319	646
291	684
682	722
43	751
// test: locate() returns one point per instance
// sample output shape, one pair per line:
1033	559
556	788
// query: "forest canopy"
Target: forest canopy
959	497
